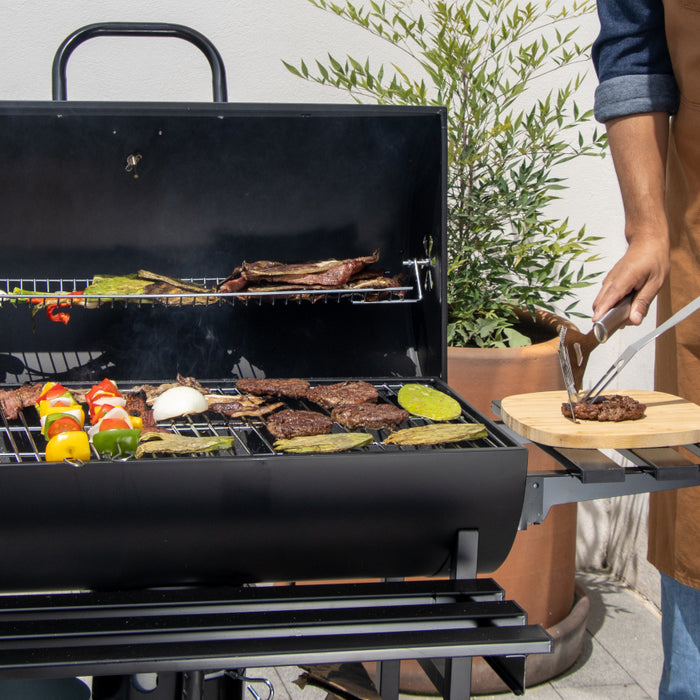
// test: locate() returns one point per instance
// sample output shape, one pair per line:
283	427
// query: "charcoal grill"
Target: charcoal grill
163	550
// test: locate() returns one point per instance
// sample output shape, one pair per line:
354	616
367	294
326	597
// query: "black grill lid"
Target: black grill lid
192	190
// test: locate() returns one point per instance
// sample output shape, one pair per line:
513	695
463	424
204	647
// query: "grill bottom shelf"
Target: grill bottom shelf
202	629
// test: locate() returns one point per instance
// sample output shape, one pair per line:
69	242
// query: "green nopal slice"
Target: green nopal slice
334	442
169	443
426	402
437	433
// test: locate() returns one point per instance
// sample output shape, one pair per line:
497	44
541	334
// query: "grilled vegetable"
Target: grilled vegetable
52	391
437	433
169	443
116	442
55	413
178	401
73	445
426	402
60	423
335	442
105	388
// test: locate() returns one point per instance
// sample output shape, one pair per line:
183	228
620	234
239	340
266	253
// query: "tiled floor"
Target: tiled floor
621	658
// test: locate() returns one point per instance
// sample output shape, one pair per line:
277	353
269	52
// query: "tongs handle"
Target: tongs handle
613	319
635	347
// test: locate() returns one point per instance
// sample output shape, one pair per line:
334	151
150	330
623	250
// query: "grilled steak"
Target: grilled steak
290	388
369	416
288	424
342	394
323	273
614	407
13	401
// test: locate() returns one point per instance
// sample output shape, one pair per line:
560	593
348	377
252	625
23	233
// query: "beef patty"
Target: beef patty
288	424
290	388
369	416
613	407
341	394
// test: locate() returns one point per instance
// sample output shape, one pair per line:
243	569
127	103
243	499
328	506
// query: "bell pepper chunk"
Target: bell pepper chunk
56	412
73	445
52	390
119	442
105	387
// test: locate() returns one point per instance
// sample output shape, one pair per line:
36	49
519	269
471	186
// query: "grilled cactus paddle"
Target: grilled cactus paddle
437	433
426	402
169	443
334	442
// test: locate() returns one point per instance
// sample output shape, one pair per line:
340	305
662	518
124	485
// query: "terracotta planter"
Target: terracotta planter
539	571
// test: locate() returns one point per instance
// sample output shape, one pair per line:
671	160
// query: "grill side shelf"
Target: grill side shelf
589	474
662	469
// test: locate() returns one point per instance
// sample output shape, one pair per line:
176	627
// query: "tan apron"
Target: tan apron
674	516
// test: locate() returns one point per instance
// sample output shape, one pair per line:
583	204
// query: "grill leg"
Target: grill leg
458	672
193	685
389	673
458	678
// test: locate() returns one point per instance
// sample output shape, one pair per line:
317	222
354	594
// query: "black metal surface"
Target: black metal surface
217	185
58	635
253	515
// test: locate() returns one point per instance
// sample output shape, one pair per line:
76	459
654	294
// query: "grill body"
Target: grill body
191	191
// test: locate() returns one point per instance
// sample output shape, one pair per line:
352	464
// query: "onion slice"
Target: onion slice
178	401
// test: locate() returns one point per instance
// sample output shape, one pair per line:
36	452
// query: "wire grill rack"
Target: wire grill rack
63	292
21	440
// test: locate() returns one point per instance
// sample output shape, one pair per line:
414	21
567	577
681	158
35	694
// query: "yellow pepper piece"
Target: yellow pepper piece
51	406
136	422
73	445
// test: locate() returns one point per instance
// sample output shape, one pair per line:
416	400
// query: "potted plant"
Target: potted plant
508	73
483	59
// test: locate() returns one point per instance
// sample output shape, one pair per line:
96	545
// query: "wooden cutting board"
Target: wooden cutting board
668	420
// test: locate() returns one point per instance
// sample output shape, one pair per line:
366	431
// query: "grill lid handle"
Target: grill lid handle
58	71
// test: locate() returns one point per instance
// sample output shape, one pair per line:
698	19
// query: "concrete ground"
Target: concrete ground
621	657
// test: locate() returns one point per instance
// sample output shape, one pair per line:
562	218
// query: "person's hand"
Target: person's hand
642	270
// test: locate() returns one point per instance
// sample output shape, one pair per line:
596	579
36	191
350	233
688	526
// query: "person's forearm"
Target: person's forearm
639	145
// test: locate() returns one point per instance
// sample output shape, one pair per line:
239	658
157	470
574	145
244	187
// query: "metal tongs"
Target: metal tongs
635	347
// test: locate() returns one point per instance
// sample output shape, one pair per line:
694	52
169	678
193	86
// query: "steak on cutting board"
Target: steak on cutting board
614	407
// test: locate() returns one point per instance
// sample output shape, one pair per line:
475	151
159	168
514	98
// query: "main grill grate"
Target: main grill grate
21	440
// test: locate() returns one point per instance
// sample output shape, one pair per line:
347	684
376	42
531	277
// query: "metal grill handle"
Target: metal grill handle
58	71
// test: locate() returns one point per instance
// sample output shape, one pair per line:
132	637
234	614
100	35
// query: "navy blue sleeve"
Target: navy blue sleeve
632	60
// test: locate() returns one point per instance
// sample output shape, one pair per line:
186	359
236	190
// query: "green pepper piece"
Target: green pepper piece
119	442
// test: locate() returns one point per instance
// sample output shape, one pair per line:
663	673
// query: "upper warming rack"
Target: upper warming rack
69	292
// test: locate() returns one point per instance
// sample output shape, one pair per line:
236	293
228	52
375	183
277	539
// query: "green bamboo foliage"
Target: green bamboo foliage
482	59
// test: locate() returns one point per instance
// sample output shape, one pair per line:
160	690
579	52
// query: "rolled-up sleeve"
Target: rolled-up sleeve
632	61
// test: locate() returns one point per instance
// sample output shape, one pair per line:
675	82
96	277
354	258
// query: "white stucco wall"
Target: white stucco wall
252	37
